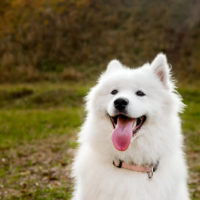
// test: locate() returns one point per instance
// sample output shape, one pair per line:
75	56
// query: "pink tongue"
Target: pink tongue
122	134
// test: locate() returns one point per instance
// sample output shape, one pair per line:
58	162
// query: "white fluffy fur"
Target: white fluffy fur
159	138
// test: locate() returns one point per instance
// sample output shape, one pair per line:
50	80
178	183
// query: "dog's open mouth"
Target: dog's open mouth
124	129
138	122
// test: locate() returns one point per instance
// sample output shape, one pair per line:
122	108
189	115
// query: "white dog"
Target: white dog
131	142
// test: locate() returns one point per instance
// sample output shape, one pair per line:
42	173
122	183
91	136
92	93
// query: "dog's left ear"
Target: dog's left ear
161	69
113	66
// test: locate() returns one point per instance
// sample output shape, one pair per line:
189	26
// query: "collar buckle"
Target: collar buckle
154	168
119	164
150	174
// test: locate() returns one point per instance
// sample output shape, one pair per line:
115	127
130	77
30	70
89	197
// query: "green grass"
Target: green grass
36	111
191	118
191	130
38	126
18	126
38	123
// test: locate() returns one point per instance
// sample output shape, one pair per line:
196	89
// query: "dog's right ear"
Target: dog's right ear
113	66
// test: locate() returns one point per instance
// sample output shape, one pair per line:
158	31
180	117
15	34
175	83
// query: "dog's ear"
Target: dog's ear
161	69
113	66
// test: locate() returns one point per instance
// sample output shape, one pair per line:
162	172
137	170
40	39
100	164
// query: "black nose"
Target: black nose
121	103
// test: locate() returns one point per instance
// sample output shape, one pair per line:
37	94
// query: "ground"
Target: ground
38	129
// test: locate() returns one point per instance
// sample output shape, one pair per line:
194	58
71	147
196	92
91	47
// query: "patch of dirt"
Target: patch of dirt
47	163
194	174
39	165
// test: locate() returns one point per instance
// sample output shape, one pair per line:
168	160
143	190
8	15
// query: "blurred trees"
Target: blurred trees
51	35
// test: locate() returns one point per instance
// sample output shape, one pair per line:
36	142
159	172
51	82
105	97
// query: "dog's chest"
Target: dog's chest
110	183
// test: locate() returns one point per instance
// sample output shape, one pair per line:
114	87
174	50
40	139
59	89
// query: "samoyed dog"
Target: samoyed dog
131	145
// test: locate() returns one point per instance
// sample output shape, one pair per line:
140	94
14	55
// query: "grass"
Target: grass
25	125
38	126
191	128
37	139
191	118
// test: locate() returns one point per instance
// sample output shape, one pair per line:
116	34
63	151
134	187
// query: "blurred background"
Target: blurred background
51	53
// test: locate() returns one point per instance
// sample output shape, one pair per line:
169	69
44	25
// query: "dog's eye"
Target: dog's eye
140	93
114	92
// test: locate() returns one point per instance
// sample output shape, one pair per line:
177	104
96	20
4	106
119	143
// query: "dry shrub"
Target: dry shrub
87	32
72	74
20	73
15	94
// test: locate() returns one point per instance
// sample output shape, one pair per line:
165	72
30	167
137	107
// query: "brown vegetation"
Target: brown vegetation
38	37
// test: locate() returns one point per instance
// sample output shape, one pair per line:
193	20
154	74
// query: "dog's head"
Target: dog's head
127	103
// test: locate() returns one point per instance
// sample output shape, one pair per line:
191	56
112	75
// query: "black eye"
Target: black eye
114	92
140	93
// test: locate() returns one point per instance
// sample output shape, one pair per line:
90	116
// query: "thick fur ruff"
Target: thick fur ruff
159	138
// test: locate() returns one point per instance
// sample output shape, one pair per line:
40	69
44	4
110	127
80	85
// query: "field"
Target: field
38	127
50	54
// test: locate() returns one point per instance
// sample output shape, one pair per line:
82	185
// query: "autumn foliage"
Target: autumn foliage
38	37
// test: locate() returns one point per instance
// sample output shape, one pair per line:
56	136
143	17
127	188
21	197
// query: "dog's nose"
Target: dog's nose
121	103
